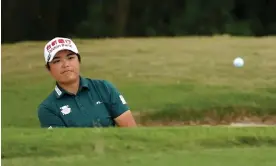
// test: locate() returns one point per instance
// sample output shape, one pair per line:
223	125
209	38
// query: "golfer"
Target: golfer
77	101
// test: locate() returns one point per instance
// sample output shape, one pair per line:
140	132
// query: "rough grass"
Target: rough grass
156	146
217	157
22	142
164	79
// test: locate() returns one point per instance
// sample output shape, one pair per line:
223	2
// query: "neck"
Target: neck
71	87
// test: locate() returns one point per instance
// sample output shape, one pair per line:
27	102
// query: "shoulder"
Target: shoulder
97	81
47	102
101	84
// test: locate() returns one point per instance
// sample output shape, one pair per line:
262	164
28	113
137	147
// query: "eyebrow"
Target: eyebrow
71	53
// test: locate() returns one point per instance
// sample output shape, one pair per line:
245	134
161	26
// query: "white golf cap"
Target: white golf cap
57	44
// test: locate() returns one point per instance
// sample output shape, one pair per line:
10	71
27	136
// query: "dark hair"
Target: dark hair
48	66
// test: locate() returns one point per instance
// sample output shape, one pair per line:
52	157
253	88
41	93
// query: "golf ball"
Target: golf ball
238	62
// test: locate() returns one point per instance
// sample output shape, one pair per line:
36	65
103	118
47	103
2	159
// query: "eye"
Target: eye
71	57
56	61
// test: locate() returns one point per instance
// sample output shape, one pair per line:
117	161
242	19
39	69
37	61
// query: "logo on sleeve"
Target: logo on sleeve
122	99
65	110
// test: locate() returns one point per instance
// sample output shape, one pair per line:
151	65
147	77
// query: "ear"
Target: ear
48	70
47	65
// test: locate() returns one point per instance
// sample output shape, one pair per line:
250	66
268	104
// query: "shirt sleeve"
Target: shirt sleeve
118	104
48	119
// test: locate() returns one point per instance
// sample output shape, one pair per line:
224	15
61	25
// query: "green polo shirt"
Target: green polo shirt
96	104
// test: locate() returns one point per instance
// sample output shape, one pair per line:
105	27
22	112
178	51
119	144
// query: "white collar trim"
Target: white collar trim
58	91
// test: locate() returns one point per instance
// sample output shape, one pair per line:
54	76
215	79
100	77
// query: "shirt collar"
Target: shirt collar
60	91
84	83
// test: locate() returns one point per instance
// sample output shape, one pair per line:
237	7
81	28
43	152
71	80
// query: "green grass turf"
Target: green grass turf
156	146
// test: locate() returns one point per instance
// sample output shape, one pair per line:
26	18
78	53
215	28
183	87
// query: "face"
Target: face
64	67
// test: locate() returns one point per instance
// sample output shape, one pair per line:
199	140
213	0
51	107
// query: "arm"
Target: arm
48	119
119	108
125	120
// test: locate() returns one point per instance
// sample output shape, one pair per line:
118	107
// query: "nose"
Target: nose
65	63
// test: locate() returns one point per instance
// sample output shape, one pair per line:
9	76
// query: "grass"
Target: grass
195	145
228	157
165	80
191	76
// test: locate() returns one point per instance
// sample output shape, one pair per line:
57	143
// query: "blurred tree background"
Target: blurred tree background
45	19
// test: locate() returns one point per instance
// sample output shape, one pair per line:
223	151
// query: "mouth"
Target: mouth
66	71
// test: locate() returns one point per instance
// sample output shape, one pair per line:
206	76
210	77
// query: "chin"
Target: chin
69	79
